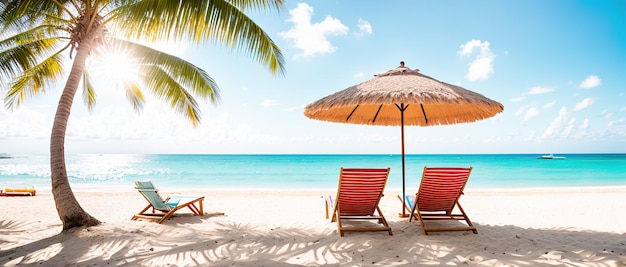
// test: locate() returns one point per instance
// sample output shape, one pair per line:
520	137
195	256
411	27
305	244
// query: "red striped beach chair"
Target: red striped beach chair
437	197
358	195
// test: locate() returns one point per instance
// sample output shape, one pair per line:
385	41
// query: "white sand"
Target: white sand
565	227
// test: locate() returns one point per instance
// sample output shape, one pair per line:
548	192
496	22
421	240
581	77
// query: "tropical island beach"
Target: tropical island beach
100	97
540	227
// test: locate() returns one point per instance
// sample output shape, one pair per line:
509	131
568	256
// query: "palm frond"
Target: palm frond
182	71
258	5
29	60
34	80
215	20
89	94
134	94
23	50
29	13
167	88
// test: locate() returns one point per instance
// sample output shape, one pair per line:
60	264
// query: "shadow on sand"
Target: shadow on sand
179	243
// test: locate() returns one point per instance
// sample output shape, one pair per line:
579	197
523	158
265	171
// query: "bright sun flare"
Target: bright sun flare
115	65
118	66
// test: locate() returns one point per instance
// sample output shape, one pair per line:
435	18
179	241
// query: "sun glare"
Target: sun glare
118	66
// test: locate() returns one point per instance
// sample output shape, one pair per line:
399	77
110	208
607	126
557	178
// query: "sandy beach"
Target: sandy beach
542	227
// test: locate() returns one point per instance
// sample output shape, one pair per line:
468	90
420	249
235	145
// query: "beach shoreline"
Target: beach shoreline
409	190
284	227
111	172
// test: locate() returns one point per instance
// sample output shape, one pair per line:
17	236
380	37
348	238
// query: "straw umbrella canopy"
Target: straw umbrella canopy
400	97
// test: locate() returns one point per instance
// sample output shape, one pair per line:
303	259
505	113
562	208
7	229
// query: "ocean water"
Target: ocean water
257	172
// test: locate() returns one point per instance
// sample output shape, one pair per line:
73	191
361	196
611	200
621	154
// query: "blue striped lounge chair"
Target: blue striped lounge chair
160	209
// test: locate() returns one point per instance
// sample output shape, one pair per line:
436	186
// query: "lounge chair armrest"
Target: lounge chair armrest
329	202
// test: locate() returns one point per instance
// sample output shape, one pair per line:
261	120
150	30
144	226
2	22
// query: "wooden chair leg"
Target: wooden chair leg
201	210
326	206
338	217
469	223
383	220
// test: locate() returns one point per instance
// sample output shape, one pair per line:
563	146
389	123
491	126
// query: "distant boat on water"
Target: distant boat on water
550	156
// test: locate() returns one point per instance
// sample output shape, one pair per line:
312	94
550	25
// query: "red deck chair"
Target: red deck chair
438	195
358	195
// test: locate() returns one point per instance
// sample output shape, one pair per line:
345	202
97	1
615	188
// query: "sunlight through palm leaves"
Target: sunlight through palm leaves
38	35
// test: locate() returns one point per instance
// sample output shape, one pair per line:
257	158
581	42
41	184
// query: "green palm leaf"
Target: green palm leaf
216	20
89	94
36	34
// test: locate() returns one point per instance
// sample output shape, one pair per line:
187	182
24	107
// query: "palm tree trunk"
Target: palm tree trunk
71	213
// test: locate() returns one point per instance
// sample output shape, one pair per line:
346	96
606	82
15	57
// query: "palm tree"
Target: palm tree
38	35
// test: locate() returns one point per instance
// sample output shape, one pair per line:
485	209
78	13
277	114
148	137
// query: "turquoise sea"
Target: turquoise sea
115	171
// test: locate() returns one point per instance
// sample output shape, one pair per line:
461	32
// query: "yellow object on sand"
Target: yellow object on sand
18	192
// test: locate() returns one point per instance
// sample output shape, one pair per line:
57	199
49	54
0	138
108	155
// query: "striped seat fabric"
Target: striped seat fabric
164	209
437	197
358	195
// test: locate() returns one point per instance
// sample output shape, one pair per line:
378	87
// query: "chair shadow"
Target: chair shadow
181	218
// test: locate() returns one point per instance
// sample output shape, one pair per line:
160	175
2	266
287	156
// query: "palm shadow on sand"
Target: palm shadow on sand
177	242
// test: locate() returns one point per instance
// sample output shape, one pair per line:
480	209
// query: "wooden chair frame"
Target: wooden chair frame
358	195
162	210
437	197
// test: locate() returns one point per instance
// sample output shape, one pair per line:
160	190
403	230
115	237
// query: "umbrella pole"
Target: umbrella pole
403	171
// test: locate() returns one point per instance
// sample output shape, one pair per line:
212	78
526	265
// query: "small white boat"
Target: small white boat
550	156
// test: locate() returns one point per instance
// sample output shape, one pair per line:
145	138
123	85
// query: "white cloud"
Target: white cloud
358	75
482	65
365	28
590	82
557	125
549	105
585	124
531	136
531	113
607	114
269	102
157	121
539	90
496	117
564	127
617	122
568	128
295	108
24	122
517	99
309	37
584	104
521	110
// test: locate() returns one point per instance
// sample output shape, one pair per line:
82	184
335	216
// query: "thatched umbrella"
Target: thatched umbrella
402	96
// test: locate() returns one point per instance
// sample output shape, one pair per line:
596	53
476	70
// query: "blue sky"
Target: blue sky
558	67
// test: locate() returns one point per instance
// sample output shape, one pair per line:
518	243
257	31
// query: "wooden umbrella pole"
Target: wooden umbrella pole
402	108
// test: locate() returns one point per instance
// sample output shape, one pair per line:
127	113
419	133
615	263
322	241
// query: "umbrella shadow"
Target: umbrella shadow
229	243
